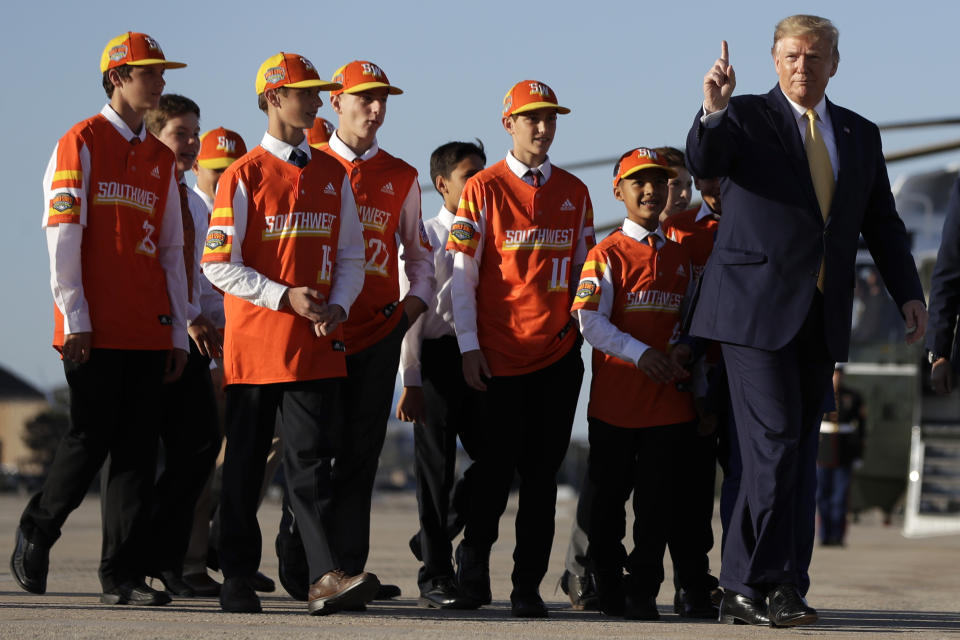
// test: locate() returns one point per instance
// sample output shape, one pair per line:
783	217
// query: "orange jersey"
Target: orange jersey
696	236
121	204
289	222
380	187
647	287
528	237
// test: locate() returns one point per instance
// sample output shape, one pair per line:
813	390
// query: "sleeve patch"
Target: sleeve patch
462	231
586	289
215	239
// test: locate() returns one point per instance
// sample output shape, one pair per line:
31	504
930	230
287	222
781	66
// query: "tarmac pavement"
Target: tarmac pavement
881	585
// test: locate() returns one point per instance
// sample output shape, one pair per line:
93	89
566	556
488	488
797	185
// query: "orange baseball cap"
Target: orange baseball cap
319	134
639	159
289	70
219	148
528	95
137	49
361	75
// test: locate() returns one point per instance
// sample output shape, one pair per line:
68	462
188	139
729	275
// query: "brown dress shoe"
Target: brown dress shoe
336	591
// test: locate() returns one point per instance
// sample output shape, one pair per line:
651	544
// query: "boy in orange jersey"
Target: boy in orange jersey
112	221
219	148
628	308
286	248
388	201
679	187
190	429
522	230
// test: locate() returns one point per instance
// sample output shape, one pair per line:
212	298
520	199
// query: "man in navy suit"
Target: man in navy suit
798	189
942	345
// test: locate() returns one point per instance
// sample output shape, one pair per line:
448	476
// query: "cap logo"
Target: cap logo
647	153
370	69
274	75
226	144
338	78
151	43
307	64
118	53
507	103
538	88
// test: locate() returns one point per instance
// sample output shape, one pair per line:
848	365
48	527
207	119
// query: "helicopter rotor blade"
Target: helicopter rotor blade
919	124
919	152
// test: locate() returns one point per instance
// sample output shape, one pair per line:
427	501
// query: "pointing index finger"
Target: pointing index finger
724	51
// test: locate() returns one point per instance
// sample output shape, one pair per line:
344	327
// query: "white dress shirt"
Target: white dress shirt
248	284
416	261
437	320
596	326
64	242
466	269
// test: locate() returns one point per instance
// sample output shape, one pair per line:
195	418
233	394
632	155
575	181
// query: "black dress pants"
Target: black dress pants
654	463
190	433
367	398
114	410
311	434
526	430
777	399
450	411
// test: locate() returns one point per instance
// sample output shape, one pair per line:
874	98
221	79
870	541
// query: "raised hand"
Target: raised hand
719	82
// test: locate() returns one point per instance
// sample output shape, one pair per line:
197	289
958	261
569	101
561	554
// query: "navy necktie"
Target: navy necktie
298	158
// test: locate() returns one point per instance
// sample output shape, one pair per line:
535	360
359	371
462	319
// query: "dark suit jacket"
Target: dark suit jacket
761	277
945	285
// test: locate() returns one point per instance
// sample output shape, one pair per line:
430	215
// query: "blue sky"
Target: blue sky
631	73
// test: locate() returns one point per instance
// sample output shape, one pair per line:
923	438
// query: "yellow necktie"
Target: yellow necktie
821	171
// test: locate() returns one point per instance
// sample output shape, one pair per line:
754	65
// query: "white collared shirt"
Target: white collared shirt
437	320
64	247
248	284
520	170
210	300
705	212
596	326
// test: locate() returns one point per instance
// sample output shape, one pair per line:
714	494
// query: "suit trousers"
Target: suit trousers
450	411
366	397
655	463
777	398
526	431
114	410
190	434
311	433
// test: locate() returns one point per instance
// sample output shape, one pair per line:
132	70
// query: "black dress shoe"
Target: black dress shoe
387	592
29	564
582	591
262	583
527	605
136	593
174	583
202	584
640	608
694	604
787	608
237	596
473	576
292	570
442	594
736	608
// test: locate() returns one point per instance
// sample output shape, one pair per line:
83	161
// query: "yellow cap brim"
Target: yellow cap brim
366	86
670	171
320	145
216	163
539	105
167	64
325	85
